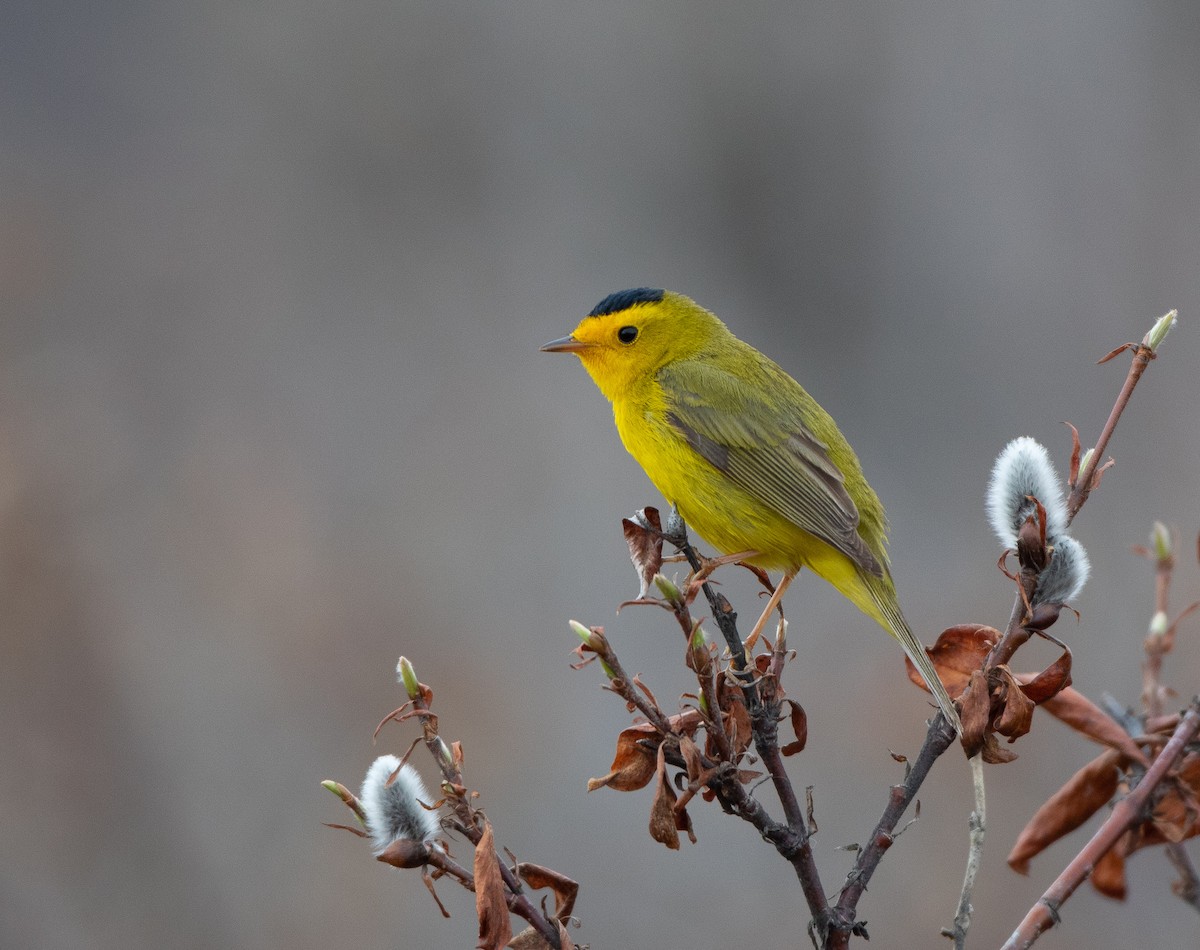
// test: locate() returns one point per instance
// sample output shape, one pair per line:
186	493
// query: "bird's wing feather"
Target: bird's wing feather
766	450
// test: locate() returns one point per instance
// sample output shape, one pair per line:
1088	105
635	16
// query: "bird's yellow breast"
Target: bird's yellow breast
724	514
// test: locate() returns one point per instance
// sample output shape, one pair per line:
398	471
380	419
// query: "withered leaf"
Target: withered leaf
960	651
1085	793
799	728
662	810
1050	682
691	756
976	714
495	928
995	754
530	939
633	766
645	546
1176	815
564	889
1016	713
1108	876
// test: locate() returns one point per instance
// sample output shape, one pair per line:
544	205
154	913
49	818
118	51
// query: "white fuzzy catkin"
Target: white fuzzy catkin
1065	575
1022	469
395	811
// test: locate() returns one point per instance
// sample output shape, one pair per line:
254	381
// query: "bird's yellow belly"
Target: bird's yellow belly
722	513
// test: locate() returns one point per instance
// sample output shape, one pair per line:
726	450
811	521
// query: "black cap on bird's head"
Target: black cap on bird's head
624	299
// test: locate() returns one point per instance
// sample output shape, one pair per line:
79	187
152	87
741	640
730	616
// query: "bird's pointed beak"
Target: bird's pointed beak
568	344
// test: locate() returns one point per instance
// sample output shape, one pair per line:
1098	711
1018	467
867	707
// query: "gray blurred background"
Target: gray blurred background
273	280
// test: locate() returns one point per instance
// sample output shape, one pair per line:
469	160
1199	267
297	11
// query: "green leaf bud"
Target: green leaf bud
408	676
1159	331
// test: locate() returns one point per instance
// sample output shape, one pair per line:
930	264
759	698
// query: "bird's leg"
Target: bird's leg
776	597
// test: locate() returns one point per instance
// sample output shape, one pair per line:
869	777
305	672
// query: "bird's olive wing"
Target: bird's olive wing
765	447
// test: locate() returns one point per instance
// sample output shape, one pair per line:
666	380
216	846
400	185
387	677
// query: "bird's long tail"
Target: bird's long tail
897	626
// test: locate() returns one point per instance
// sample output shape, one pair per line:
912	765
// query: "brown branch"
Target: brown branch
1125	814
939	737
1142	355
468	821
791	838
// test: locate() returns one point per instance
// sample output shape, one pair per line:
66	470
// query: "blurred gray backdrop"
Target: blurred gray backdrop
273	280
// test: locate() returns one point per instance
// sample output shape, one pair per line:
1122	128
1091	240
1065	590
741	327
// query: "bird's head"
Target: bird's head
630	335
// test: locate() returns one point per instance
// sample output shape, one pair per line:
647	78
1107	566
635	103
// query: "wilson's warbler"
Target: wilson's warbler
745	455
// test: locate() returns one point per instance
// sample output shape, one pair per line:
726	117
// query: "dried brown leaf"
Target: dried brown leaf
564	889
495	928
645	546
1117	352
691	758
995	754
1083	794
1050	682
976	714
662	810
1108	876
1176	815
1016	710
799	728
354	831
959	652
633	765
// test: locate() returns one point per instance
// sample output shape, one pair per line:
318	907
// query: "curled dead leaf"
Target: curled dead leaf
662	809
1015	714
643	534
1050	682
960	651
1108	876
633	765
799	729
495	927
1083	794
976	713
564	889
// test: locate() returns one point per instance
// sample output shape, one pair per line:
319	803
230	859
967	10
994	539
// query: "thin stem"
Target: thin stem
938	738
518	903
978	826
1083	483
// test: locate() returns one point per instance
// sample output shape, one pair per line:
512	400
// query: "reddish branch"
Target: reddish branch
471	824
1130	810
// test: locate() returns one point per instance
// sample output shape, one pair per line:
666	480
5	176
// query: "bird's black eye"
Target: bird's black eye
627	334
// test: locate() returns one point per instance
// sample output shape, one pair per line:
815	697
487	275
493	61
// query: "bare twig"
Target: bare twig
978	827
1125	814
764	719
938	738
470	824
1143	353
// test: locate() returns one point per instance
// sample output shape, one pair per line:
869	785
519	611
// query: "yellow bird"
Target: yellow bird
745	455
